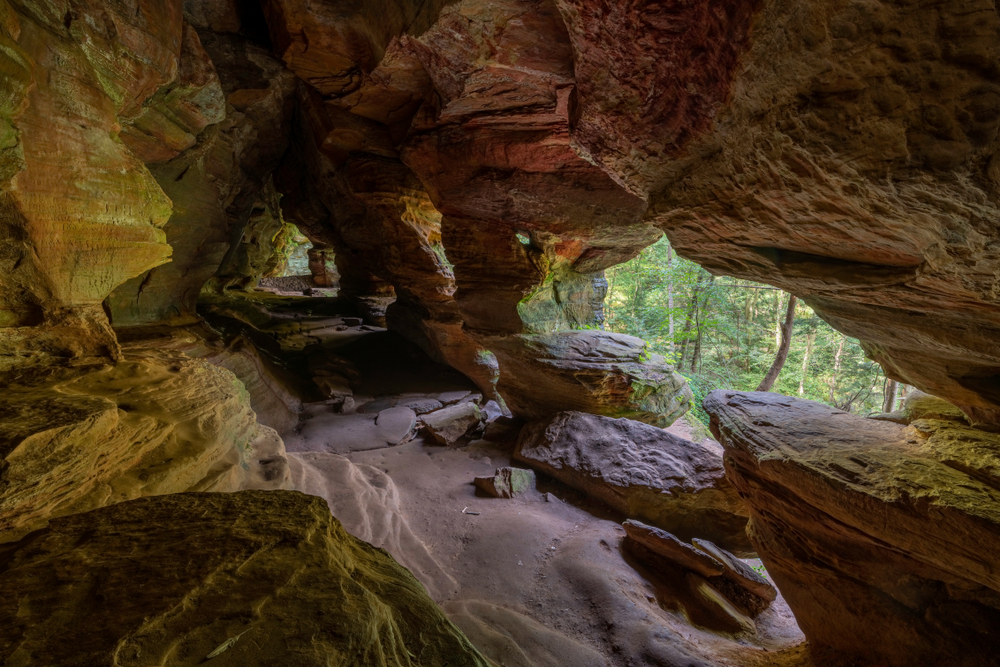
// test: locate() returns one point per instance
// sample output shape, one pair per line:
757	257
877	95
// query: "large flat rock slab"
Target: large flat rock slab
883	537
589	371
132	585
641	471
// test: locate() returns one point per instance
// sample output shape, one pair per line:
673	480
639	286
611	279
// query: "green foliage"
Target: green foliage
725	333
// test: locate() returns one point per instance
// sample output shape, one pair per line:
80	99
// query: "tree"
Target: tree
889	403
836	370
786	342
810	339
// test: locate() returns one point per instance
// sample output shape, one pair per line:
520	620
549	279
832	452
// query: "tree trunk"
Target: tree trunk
696	357
805	361
638	284
889	402
689	319
670	302
777	321
786	342
836	369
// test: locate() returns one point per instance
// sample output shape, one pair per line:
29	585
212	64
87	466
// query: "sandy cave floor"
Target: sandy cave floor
540	581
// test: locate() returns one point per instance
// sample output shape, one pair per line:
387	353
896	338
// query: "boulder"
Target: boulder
882	537
507	482
250	578
452	423
641	471
590	371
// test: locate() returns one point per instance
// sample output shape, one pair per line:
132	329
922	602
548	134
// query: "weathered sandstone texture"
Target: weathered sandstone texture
641	471
225	208
180	576
80	212
158	422
452	142
882	537
589	371
853	161
367	502
845	152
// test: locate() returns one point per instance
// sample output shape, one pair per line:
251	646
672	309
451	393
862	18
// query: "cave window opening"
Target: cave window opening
296	250
523	238
723	332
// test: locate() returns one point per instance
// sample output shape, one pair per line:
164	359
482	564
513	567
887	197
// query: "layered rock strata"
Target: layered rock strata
277	581
843	152
158	422
474	265
881	536
641	471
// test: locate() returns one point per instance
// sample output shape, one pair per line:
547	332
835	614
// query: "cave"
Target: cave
302	339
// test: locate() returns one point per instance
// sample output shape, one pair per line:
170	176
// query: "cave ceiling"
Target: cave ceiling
843	151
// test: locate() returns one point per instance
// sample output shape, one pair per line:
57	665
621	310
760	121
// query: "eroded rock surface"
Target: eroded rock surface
641	471
156	423
274	566
366	501
881	536
589	371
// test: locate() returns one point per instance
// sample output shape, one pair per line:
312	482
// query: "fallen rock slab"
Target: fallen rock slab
276	580
720	606
396	425
507	482
882	537
452	423
642	471
666	546
737	571
727	575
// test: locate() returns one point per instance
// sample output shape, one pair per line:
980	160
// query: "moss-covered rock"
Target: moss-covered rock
174	579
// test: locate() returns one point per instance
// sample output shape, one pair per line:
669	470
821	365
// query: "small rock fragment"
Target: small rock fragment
507	482
717	603
334	386
449	425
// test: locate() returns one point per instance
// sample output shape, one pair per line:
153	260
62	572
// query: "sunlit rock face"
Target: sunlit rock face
881	536
80	212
